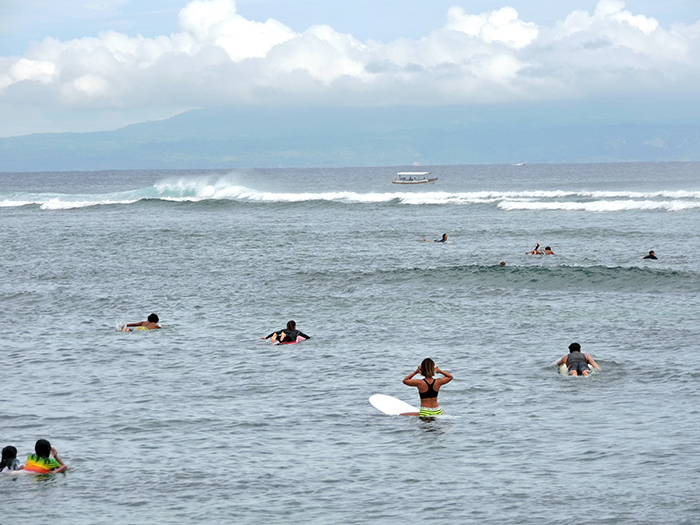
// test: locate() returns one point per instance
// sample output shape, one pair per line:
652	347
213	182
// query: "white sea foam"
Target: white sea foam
203	189
601	206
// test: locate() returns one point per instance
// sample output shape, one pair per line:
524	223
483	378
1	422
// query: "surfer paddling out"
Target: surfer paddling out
289	335
427	388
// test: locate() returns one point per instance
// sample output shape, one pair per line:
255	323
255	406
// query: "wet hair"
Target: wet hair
291	325
42	448
153	318
548	248
427	367
9	454
651	252
574	347
444	236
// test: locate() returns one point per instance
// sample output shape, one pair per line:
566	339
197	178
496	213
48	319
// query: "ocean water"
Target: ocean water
204	422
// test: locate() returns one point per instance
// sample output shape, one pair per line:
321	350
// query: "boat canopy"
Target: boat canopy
413	173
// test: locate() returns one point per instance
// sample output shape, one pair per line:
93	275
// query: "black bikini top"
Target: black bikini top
430	393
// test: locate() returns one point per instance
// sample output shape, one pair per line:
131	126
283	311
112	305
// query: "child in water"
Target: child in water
9	461
41	461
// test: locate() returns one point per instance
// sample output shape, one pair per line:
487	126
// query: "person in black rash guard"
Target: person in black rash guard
288	334
651	255
444	239
577	362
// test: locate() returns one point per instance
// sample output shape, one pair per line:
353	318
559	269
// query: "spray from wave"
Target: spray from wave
198	189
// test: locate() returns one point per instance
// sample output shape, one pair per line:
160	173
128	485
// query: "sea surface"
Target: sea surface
205	422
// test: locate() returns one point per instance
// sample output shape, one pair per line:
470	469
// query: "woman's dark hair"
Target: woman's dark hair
153	318
42	448
574	347
427	367
291	325
9	454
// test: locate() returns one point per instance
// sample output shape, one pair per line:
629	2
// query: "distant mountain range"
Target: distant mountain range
255	137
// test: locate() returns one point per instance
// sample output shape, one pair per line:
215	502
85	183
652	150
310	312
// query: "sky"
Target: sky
90	65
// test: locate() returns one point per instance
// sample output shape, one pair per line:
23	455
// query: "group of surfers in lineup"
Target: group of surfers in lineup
536	250
429	386
45	460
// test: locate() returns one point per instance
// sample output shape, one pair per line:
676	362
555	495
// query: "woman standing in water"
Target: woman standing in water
427	390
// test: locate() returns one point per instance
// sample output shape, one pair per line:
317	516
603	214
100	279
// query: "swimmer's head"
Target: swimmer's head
444	236
153	318
651	252
427	367
8	453
548	248
503	263
574	347
291	325
43	448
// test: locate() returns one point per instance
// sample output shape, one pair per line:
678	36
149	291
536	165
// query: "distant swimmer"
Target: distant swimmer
427	390
287	335
535	251
576	362
548	251
151	324
651	255
503	263
444	239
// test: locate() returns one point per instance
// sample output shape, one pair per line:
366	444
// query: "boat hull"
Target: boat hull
425	181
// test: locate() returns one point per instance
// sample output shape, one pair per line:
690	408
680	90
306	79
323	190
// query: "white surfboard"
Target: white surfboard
564	370
391	405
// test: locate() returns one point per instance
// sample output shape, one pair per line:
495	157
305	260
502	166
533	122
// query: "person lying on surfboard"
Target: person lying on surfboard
444	239
577	362
536	251
287	335
427	390
151	324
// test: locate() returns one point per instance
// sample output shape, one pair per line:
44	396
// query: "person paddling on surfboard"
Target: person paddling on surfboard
427	387
535	251
577	362
444	239
151	324
287	335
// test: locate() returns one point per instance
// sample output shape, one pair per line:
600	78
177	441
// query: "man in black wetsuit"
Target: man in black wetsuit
651	255
577	362
287	335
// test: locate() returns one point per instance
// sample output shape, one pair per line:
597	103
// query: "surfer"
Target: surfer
577	362
41	462
444	239
151	324
427	390
535	251
287	335
548	251
651	255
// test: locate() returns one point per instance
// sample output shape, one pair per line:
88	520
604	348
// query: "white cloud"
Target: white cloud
216	56
501	25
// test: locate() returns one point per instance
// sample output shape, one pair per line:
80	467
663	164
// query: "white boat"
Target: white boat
521	164
413	177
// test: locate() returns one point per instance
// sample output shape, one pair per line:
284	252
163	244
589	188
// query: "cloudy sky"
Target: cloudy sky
86	65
